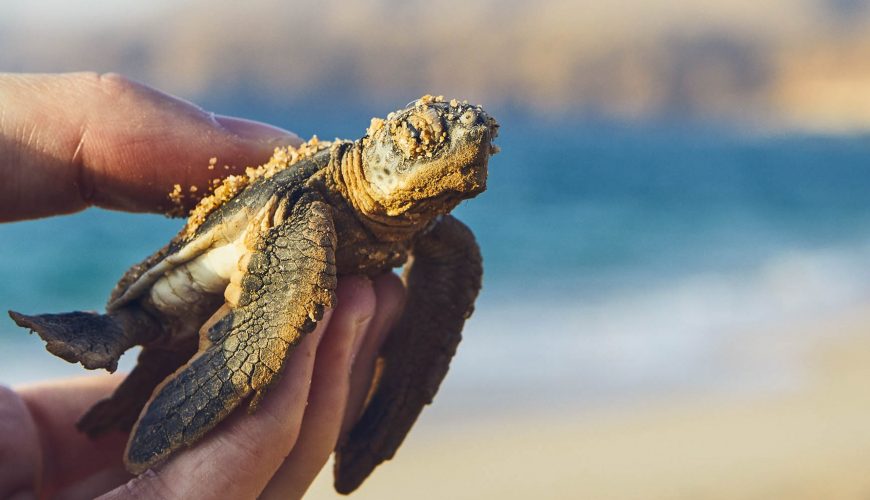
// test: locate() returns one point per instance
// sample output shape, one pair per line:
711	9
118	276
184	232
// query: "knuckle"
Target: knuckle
149	484
116	84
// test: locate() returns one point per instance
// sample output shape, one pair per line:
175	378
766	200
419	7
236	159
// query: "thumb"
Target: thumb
76	140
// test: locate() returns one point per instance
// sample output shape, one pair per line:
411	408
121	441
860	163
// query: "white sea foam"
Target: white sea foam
711	331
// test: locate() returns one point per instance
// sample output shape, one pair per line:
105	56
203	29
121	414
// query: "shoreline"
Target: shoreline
807	440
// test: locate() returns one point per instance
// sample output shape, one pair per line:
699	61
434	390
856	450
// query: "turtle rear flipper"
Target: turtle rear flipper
443	280
120	410
92	339
287	282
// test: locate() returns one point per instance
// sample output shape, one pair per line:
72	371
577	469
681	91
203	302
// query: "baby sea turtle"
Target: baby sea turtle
221	306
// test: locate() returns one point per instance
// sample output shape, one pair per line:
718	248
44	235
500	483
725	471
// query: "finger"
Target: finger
75	140
236	459
328	395
20	453
68	455
239	458
390	293
96	484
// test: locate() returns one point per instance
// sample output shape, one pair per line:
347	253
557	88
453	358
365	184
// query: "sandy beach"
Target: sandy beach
810	441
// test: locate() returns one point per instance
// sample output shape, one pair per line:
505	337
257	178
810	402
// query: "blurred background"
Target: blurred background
676	234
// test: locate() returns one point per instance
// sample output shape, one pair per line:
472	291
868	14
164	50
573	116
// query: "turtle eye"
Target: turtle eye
468	118
413	131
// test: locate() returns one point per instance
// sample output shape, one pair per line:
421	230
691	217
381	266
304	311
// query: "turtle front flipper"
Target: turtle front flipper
443	280
286	282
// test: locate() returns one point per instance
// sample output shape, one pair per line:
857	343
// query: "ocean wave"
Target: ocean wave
708	331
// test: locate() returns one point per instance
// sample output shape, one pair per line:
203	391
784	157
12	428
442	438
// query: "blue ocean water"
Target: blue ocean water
618	259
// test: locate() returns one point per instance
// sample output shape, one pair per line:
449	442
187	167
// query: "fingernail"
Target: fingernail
257	131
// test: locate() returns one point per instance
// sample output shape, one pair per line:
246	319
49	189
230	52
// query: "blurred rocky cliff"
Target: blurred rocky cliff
776	63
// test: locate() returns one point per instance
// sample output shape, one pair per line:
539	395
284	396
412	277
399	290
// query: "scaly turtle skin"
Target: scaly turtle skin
221	306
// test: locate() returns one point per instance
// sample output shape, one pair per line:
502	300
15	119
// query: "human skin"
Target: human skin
71	141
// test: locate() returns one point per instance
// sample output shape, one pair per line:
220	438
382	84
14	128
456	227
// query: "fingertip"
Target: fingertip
300	360
390	298
355	297
390	292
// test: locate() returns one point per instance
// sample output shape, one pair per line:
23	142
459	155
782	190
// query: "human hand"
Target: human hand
275	452
71	141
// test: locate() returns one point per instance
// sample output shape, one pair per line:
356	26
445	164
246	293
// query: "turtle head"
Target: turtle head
426	158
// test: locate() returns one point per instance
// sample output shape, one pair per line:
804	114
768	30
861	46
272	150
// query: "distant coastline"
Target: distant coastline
774	65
